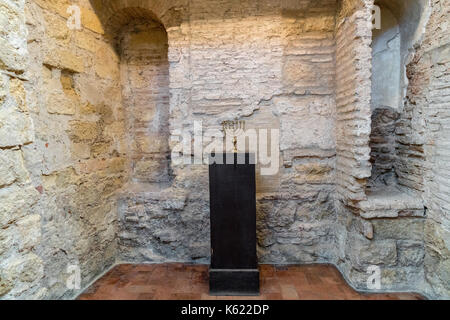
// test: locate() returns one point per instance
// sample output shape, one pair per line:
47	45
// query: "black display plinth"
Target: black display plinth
234	267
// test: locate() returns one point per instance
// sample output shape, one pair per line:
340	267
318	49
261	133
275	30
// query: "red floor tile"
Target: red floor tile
190	282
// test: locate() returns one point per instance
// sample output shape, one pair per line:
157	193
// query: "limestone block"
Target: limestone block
4	87
400	228
15	203
101	166
150	144
85	40
57	147
87	109
106	62
410	253
318	23
90	20
56	27
6	282
25	268
437	239
115	130
81	150
17	91
281	214
58	103
30	231
41	294
6	239
365	252
16	128
12	167
309	132
64	59
401	278
13	45
57	6
84	130
314	173
150	170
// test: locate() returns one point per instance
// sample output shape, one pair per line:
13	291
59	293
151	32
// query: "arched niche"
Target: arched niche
140	40
392	49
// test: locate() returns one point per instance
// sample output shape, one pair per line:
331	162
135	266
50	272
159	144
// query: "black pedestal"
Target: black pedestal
234	268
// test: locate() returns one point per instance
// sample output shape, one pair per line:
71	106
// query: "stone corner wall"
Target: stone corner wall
61	149
428	102
408	243
393	245
21	267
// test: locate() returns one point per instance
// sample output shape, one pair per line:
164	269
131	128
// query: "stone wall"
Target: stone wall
21	266
278	74
87	176
427	118
64	149
78	159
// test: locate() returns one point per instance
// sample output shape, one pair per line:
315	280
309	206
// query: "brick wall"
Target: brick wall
353	56
428	103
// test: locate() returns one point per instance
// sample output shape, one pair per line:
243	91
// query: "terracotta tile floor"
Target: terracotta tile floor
190	282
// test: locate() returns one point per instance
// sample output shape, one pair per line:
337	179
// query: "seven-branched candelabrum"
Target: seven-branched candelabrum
234	128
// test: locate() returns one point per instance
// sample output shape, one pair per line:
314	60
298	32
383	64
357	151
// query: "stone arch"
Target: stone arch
138	32
115	13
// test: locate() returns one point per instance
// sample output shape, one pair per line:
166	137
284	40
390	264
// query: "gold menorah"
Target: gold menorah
234	128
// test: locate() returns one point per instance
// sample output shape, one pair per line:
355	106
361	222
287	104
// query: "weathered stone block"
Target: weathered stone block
56	27
399	228
17	91
12	167
106	62
86	41
57	103
81	150
150	170
84	130
4	87
410	253
15	202
6	239
64	59
13	37
6	283
313	173
365	252
57	6
16	128
29	228
26	268
90	20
